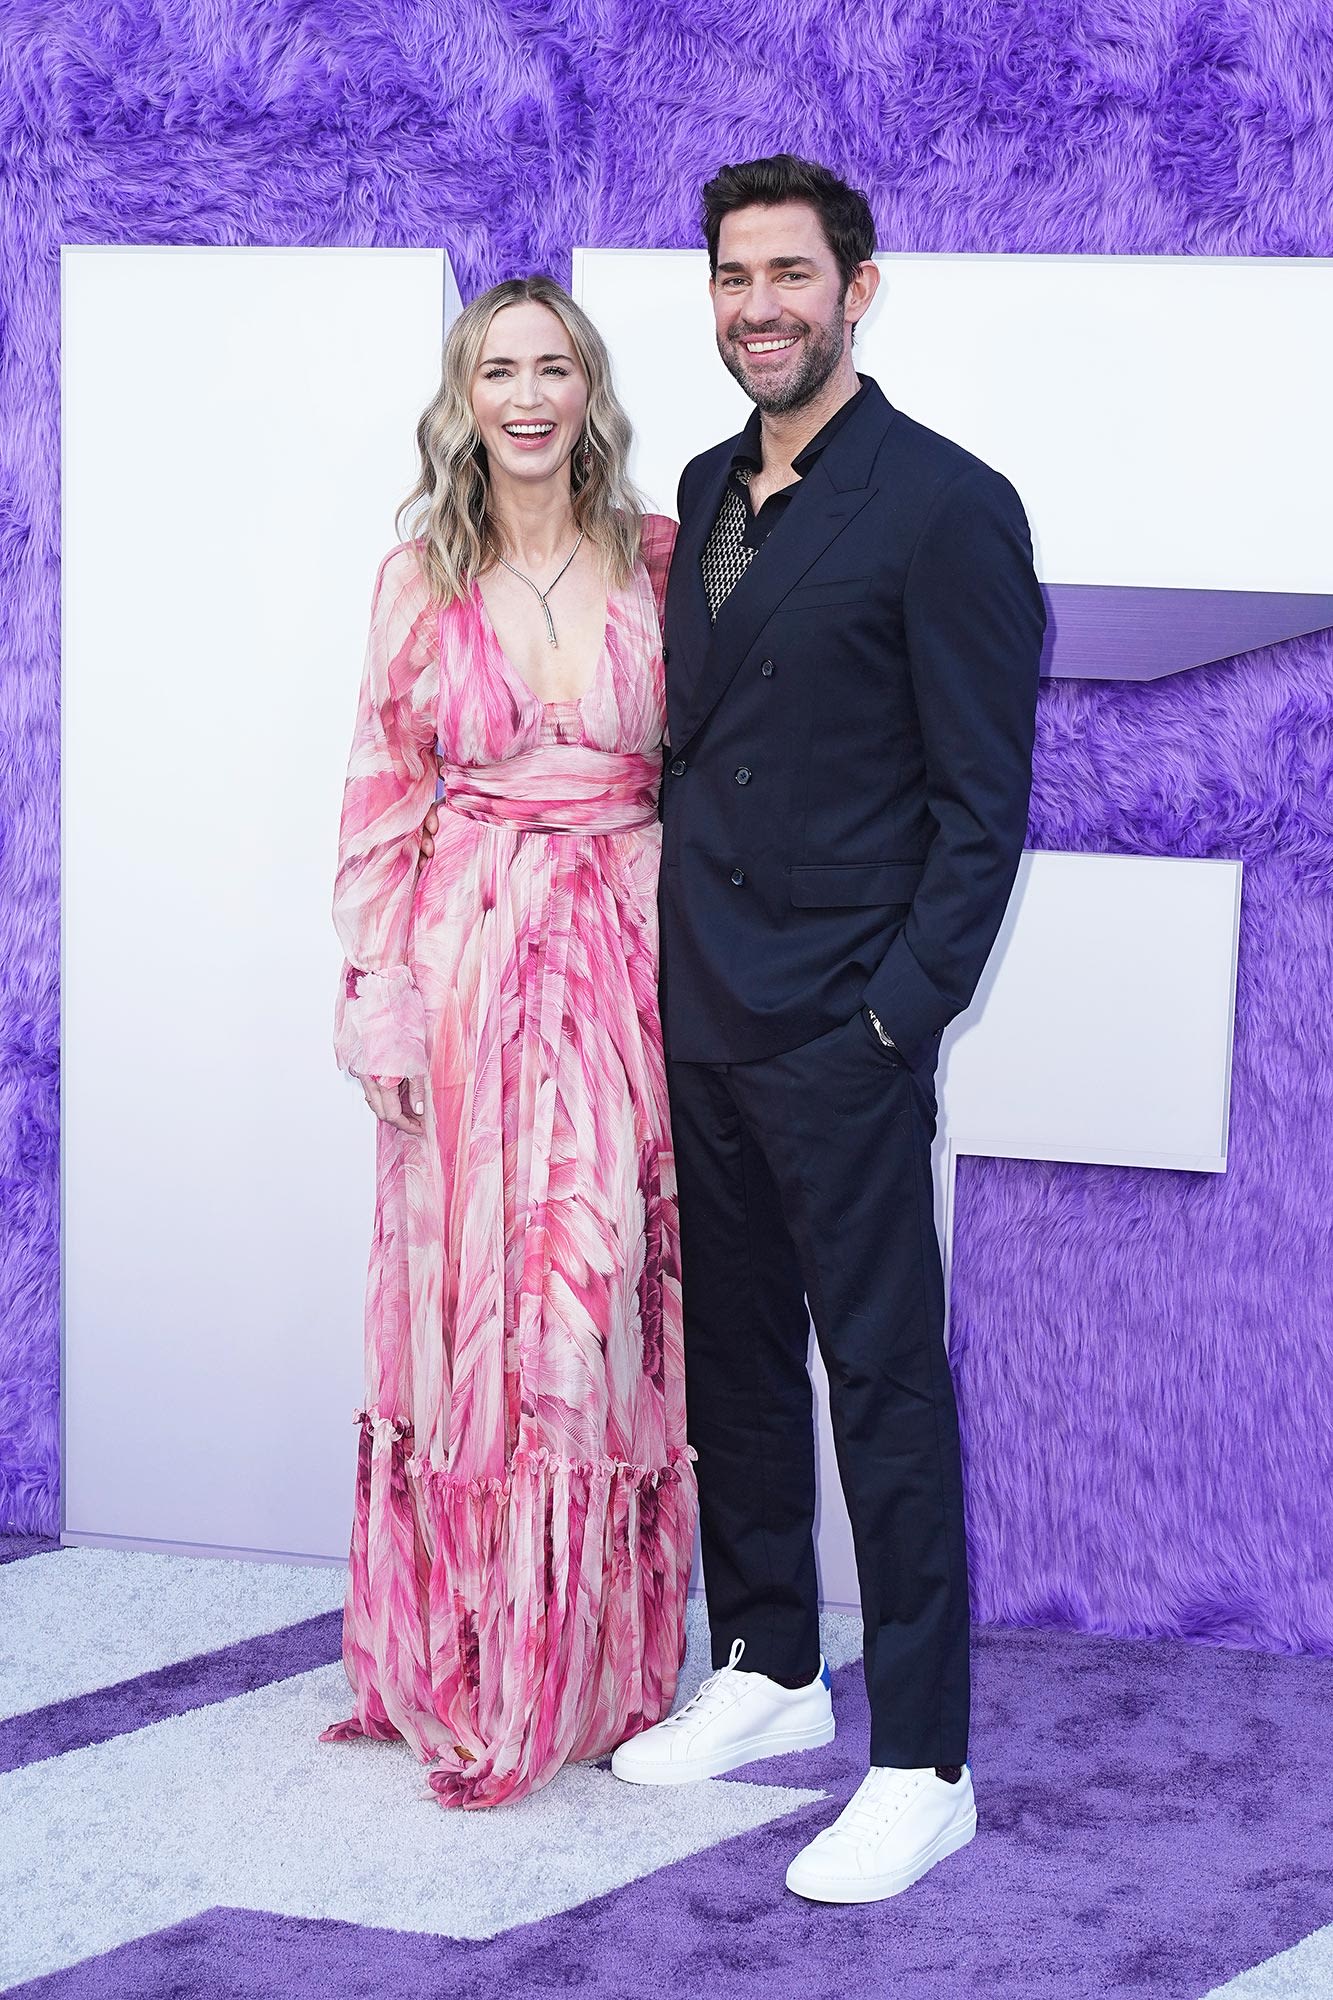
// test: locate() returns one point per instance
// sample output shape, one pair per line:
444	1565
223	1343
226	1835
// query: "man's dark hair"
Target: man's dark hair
844	212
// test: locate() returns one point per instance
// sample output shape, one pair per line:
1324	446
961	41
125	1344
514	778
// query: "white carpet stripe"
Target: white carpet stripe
239	1804
1303	1973
82	1618
79	1619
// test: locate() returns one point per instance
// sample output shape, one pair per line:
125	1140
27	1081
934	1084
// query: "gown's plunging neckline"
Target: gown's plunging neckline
512	673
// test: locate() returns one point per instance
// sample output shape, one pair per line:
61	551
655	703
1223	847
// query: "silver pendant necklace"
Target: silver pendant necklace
541	594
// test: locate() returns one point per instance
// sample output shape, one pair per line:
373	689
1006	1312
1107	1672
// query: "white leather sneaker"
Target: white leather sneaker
734	1719
895	1827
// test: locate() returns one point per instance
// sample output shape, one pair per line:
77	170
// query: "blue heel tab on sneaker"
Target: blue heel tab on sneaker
824	1674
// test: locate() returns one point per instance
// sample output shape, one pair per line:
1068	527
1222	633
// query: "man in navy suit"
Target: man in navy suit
853	629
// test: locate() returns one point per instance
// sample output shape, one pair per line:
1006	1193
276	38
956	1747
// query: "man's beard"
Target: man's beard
823	352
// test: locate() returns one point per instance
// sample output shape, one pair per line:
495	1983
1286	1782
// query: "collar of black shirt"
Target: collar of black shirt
749	453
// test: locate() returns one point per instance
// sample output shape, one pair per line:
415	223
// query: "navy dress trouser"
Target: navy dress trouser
807	1175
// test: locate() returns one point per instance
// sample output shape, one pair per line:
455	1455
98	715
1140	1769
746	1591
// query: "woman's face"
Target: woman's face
529	394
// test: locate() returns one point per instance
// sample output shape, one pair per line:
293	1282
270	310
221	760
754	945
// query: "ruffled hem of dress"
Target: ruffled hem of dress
396	1430
379	1026
504	1626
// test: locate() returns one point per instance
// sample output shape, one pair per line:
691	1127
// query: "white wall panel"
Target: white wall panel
1159	415
238	430
1101	1030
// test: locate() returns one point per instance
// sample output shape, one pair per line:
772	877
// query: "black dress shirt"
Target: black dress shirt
739	532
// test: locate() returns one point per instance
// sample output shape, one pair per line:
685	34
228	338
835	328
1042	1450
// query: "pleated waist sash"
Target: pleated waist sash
558	788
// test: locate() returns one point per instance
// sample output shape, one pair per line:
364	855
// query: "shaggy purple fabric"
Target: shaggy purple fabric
1174	1330
1145	1360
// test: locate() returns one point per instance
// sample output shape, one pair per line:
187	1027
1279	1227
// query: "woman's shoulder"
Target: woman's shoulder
657	536
402	580
400	567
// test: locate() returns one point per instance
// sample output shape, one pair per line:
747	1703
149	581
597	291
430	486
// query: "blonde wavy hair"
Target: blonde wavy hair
447	513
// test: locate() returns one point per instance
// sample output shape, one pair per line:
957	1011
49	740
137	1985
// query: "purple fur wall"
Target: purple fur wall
1144	1359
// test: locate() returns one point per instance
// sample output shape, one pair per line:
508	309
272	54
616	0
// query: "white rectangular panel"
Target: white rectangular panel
652	308
1160	416
1101	1030
238	430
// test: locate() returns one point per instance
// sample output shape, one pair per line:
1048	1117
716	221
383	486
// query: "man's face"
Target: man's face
782	319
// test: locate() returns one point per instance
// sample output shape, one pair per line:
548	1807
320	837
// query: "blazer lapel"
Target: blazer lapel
704	663
815	517
819	510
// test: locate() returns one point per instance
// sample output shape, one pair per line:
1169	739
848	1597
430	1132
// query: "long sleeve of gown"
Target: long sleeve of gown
380	1026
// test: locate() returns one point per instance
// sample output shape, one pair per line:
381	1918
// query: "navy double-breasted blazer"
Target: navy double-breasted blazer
850	747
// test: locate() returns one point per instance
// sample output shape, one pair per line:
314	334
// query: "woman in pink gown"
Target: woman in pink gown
525	1501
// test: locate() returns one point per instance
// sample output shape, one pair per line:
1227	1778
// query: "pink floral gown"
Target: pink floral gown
525	1497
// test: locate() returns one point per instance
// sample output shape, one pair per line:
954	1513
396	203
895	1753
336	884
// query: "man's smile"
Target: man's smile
768	343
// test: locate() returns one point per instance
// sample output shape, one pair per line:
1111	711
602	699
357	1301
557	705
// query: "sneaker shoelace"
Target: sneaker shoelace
710	1695
869	1805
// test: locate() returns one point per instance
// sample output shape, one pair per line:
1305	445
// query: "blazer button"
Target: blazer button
666	655
738	876
678	767
767	670
743	775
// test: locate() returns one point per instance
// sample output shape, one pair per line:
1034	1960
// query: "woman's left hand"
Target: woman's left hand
430	826
399	1101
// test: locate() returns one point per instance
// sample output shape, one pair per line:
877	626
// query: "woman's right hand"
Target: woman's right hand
399	1101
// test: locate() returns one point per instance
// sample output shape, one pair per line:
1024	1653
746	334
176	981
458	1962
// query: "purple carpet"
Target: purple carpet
1154	1821
13	1548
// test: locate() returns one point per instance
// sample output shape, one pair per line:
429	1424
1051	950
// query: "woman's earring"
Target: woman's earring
587	454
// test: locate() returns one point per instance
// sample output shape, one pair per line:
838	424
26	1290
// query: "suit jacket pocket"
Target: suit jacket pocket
847	885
